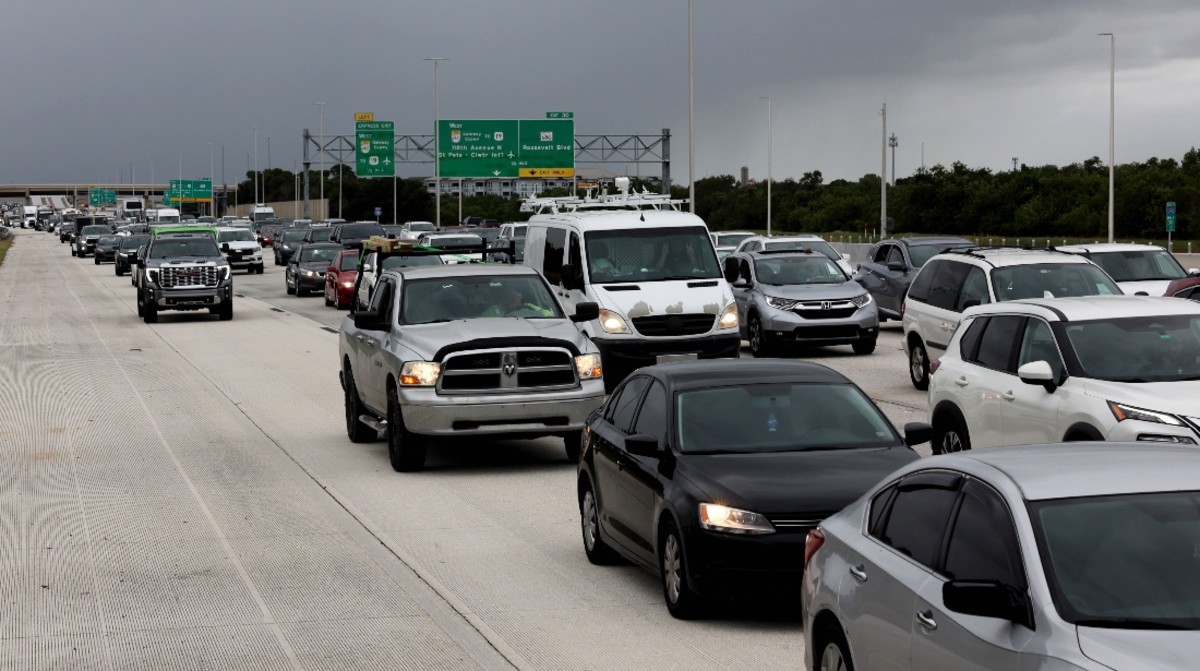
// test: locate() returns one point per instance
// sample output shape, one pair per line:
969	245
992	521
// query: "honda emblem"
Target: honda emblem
825	305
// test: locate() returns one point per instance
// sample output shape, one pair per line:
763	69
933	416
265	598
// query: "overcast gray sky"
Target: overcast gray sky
90	89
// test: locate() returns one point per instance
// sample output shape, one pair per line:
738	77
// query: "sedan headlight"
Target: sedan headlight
309	273
861	301
1123	412
588	366
716	517
287	246
728	318
420	373
781	303
612	322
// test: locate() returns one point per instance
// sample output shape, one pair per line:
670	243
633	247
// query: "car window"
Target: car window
552	255
878	253
625	405
974	290
996	344
916	519
983	543
381	300
1135	265
972	330
1037	344
919	290
348	262
895	255
1052	280
652	418
943	293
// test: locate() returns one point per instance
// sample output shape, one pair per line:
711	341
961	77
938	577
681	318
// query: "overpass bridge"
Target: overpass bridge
77	194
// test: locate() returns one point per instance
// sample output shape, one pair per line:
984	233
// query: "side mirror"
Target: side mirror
225	247
730	270
331	269
1038	372
916	433
369	320
572	276
988	598
896	266
585	312
642	445
366	268
1194	272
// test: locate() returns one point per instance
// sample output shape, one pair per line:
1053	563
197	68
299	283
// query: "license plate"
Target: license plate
667	358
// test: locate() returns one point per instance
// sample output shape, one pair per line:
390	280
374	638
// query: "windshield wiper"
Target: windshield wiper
1131	623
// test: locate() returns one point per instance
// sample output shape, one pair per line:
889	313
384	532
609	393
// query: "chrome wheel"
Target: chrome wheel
672	568
831	658
918	367
952	442
589	521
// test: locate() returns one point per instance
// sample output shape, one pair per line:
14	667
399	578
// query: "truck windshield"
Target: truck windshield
442	299
651	254
240	235
200	246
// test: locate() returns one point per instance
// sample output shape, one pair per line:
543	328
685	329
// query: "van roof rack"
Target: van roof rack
624	199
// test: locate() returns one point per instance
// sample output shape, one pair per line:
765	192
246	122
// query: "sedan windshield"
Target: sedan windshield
1138	349
359	231
1125	562
1137	265
348	262
1052	280
783	417
315	254
443	299
791	270
651	254
96	230
319	234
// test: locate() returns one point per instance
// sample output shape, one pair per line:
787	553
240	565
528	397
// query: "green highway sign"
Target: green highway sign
560	115
102	197
1171	217
189	191
374	142
507	147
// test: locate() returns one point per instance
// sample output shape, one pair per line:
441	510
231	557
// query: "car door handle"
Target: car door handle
1008	395
926	619
962	382
858	573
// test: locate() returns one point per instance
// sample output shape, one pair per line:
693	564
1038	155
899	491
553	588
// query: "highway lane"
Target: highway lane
478	557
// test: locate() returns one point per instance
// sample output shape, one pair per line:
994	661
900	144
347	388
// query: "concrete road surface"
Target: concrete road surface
184	496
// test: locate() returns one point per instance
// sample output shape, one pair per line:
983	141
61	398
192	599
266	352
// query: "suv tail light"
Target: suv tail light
812	543
933	365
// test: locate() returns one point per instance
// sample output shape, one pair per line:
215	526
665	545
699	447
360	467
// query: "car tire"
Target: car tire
150	313
918	366
573	446
406	450
291	290
356	431
950	434
73	252
682	602
865	345
598	552
96	260
328	303
259	269
226	311
833	654
117	271
759	345
139	305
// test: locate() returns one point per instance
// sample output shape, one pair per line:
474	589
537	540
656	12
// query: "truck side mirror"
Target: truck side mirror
572	276
585	312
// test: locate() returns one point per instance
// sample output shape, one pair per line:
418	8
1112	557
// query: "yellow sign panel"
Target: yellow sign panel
364	116
547	172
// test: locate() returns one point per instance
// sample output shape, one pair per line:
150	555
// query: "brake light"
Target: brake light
933	365
812	543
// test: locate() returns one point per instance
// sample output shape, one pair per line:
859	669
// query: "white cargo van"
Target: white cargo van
261	212
649	266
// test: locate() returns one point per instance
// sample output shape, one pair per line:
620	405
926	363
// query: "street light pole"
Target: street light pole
769	161
883	175
256	200
1112	124
321	151
437	150
211	175
691	119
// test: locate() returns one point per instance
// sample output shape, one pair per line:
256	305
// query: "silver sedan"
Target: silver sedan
1068	556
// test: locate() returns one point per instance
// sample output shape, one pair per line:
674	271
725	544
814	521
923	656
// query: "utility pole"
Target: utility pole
321	151
437	159
1112	124
883	174
256	200
770	122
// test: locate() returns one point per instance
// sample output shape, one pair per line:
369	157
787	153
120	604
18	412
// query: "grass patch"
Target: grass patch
4	245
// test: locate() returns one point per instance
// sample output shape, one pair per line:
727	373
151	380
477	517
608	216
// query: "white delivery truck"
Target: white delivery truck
649	266
261	212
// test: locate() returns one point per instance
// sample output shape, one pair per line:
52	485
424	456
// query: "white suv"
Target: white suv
1142	270
1119	368
956	280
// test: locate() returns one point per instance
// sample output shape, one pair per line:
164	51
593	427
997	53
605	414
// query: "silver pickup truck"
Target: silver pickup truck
461	350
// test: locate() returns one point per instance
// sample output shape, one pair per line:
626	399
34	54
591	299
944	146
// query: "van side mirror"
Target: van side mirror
585	312
730	270
572	276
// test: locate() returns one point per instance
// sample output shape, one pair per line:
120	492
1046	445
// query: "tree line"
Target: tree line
1032	201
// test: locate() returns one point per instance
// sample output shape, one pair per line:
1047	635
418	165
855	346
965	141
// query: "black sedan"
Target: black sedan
286	243
106	248
710	473
127	251
306	269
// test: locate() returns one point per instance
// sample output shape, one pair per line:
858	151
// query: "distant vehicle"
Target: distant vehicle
306	268
352	235
166	215
133	209
729	238
240	248
468	246
413	229
509	243
795	242
286	243
1140	270
261	211
340	278
891	265
127	251
106	249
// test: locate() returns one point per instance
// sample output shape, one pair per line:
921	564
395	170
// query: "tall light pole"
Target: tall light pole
892	142
437	150
256	200
211	175
691	119
883	175
1112	124
769	162
321	151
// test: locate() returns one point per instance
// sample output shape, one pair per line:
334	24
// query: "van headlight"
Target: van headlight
728	318
612	322
420	373
588	366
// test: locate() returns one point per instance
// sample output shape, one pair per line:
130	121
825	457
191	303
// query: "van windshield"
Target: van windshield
651	255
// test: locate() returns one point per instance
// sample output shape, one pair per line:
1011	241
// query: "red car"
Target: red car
339	279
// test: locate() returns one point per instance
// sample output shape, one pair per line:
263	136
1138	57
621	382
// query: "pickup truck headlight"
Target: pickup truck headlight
716	517
420	373
588	366
152	275
612	322
223	272
728	318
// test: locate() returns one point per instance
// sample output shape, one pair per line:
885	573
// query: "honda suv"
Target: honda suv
956	280
1118	368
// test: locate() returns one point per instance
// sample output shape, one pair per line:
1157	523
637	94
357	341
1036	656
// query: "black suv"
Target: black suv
352	235
891	265
183	271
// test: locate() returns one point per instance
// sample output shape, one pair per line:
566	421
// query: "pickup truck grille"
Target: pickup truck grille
674	325
507	370
187	276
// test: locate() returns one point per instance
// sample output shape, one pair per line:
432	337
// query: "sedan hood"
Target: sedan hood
428	339
822	481
815	292
1140	649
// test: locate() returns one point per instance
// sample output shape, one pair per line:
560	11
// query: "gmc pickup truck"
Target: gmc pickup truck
466	350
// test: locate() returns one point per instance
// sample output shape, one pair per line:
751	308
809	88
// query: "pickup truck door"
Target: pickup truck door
373	353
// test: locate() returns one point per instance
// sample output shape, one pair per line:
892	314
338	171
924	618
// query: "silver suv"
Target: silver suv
954	281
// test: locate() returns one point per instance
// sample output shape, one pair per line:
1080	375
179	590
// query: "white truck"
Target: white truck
261	212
